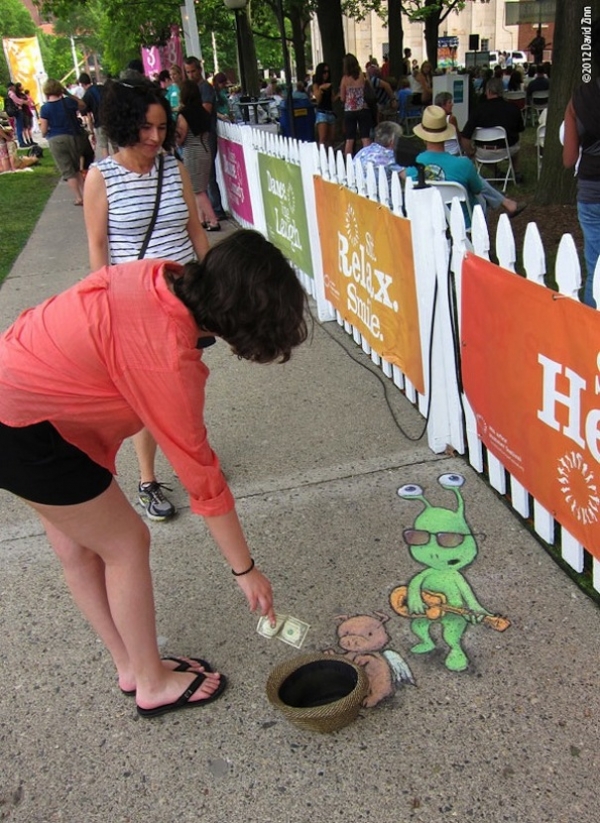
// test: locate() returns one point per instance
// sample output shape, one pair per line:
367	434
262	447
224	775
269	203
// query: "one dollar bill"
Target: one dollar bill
293	632
264	627
288	629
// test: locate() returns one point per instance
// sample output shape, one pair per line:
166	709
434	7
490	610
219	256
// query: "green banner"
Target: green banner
285	209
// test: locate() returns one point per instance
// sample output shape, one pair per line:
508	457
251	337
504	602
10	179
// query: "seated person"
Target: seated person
9	156
404	97
445	101
495	111
300	93
539	83
381	151
439	165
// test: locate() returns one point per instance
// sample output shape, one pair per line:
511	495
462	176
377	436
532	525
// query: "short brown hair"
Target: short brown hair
246	292
52	87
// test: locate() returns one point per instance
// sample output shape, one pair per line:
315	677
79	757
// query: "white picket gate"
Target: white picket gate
450	419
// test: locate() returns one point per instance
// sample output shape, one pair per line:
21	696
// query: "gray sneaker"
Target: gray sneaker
151	497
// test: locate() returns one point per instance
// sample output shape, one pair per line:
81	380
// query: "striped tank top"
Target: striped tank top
131	198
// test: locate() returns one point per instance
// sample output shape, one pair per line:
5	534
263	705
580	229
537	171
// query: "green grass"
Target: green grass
23	196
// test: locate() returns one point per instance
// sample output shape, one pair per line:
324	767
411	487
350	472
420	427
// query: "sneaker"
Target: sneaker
151	497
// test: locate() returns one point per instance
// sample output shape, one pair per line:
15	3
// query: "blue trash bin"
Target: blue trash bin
304	119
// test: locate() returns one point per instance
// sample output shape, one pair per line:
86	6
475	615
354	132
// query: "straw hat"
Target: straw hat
434	127
318	692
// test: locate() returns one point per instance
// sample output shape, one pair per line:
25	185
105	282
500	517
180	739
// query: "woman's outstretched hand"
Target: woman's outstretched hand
259	593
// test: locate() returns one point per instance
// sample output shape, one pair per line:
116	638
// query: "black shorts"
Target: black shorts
361	120
37	464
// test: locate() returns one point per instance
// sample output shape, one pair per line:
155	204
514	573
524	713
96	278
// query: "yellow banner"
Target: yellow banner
25	64
369	274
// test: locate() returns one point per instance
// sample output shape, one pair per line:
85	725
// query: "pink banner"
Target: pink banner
236	181
157	58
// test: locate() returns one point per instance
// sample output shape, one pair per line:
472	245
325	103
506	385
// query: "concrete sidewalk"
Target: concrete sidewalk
314	459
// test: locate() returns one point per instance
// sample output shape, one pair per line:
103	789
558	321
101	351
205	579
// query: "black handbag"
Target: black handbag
82	139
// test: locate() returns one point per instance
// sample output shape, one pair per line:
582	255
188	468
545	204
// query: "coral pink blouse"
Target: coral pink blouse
112	354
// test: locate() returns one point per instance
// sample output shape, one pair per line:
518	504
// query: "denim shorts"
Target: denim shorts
325	117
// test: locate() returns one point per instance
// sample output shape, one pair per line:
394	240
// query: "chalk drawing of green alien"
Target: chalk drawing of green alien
442	541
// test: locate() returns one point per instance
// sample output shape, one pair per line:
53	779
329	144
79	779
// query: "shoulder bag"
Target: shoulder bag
150	229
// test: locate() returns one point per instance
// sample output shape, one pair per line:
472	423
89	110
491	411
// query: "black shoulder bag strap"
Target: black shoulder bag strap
156	206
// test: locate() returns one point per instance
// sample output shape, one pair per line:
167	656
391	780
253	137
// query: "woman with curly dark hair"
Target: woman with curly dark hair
121	196
85	349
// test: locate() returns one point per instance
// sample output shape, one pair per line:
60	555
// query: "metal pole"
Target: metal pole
189	24
74	55
287	68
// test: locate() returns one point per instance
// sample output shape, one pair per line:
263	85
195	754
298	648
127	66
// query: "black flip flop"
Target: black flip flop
183	702
182	667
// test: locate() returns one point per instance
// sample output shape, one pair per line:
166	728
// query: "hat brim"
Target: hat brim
435	136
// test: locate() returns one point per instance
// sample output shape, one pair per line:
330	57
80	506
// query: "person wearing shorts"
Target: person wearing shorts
322	91
57	124
357	115
75	381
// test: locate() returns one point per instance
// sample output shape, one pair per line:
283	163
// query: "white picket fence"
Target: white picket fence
450	419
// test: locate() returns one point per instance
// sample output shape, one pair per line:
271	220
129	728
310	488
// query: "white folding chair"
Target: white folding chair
449	189
539	102
516	97
539	146
497	151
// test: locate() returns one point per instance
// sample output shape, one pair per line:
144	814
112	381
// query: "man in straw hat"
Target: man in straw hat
434	129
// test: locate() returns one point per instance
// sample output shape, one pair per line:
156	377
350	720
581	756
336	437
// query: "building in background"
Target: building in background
487	20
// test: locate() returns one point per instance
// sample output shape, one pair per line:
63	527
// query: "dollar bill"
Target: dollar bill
266	630
293	632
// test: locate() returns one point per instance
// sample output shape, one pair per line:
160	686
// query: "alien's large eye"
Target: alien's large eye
410	490
449	481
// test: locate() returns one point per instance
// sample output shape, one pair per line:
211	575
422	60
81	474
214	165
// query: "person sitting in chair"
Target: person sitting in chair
495	111
441	166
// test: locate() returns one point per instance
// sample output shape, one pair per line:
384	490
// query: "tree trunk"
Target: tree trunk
396	38
557	184
329	17
432	26
298	41
247	52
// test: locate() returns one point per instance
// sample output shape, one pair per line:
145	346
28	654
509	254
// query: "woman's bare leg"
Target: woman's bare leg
145	449
116	594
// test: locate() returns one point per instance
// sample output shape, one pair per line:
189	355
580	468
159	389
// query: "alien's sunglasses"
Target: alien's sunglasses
447	540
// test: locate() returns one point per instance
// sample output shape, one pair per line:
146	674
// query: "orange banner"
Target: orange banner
369	274
531	372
